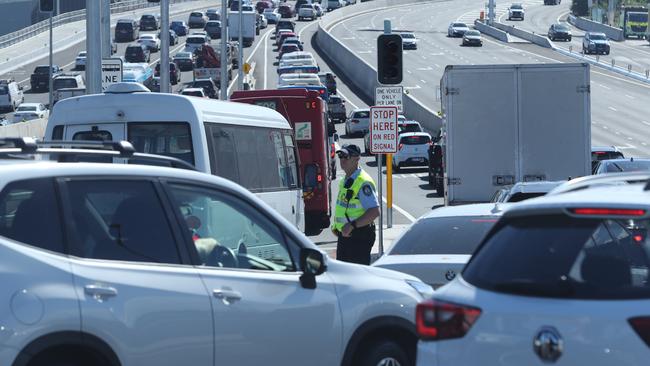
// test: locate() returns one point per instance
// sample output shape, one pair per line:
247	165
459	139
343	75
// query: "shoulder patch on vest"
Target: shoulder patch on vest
367	190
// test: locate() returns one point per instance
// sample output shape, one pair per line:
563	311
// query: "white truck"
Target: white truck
248	19
504	124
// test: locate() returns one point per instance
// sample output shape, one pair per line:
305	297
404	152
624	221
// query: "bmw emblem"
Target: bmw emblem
450	275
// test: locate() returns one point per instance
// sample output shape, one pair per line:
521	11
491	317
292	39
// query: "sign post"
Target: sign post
111	72
383	140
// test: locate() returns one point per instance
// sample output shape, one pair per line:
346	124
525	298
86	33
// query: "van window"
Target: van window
169	139
65	83
254	157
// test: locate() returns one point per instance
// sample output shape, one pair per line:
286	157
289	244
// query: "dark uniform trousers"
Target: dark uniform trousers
356	248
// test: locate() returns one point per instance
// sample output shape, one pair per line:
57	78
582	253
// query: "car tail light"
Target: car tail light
321	91
332	151
641	326
400	146
437	320
319	178
355	121
607	212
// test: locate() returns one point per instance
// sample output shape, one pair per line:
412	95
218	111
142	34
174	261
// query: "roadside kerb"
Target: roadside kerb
591	26
34	128
491	31
362	75
540	40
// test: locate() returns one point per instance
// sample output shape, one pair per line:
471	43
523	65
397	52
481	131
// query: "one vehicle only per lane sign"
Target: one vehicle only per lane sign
383	130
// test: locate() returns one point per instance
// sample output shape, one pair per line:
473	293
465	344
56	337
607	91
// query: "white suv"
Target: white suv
412	150
307	11
516	11
122	264
561	279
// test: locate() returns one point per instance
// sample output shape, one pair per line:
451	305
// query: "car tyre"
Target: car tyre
396	168
607	52
385	352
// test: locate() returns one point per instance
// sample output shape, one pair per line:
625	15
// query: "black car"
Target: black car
40	78
208	86
621	165
149	22
185	61
559	31
126	30
137	53
213	28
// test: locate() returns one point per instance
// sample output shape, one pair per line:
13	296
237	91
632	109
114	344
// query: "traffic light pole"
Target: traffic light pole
165	86
93	48
223	88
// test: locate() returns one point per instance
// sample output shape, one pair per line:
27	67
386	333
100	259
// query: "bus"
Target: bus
249	145
307	113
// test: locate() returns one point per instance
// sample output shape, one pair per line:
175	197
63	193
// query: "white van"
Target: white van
250	145
11	94
64	84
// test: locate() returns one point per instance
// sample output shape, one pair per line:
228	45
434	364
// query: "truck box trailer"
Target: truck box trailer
248	19
513	123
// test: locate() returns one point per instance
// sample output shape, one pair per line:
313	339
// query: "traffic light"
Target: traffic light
389	59
46	6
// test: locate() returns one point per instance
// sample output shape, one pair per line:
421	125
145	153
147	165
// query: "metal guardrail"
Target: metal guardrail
73	16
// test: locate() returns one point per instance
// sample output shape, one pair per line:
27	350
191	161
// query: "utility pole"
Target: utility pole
93	48
240	62
106	28
223	87
165	86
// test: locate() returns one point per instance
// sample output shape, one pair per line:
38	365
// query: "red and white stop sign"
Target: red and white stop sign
383	130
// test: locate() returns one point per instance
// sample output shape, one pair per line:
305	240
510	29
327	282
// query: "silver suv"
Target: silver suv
125	264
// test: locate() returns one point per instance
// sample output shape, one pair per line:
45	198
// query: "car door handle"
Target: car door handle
227	296
100	292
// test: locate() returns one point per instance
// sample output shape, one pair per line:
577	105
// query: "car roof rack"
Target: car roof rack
602	180
69	151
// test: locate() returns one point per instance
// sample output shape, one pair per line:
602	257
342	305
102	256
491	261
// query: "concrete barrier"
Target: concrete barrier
613	33
491	31
34	128
537	39
362	75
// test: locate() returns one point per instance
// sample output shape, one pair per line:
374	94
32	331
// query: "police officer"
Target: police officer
357	208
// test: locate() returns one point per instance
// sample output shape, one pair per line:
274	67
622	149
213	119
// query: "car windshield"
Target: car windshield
598	37
561	27
460	25
26	108
516	6
444	235
408	35
565	257
472	33
82	54
628	166
638	17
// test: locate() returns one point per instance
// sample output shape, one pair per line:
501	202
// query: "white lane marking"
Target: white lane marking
629	96
400	210
604	87
614	109
629	138
605	127
263	39
646	123
409	71
561	16
423	81
364	52
346	98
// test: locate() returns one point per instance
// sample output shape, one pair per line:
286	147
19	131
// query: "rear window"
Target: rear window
628	166
147	17
196	14
195	40
363	114
563	257
414	140
409	128
65	83
606	155
444	235
521	196
170	139
42	70
124	26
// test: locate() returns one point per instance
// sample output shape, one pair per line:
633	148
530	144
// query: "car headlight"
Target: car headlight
422	288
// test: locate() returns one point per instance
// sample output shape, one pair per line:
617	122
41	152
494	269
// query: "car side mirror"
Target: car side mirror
336	137
313	263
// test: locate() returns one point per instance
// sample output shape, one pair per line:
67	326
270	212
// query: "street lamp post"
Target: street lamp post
223	88
165	86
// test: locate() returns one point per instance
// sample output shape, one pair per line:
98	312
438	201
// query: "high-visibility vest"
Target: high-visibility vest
351	207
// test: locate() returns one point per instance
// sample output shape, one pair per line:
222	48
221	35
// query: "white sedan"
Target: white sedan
151	41
80	61
29	111
271	15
